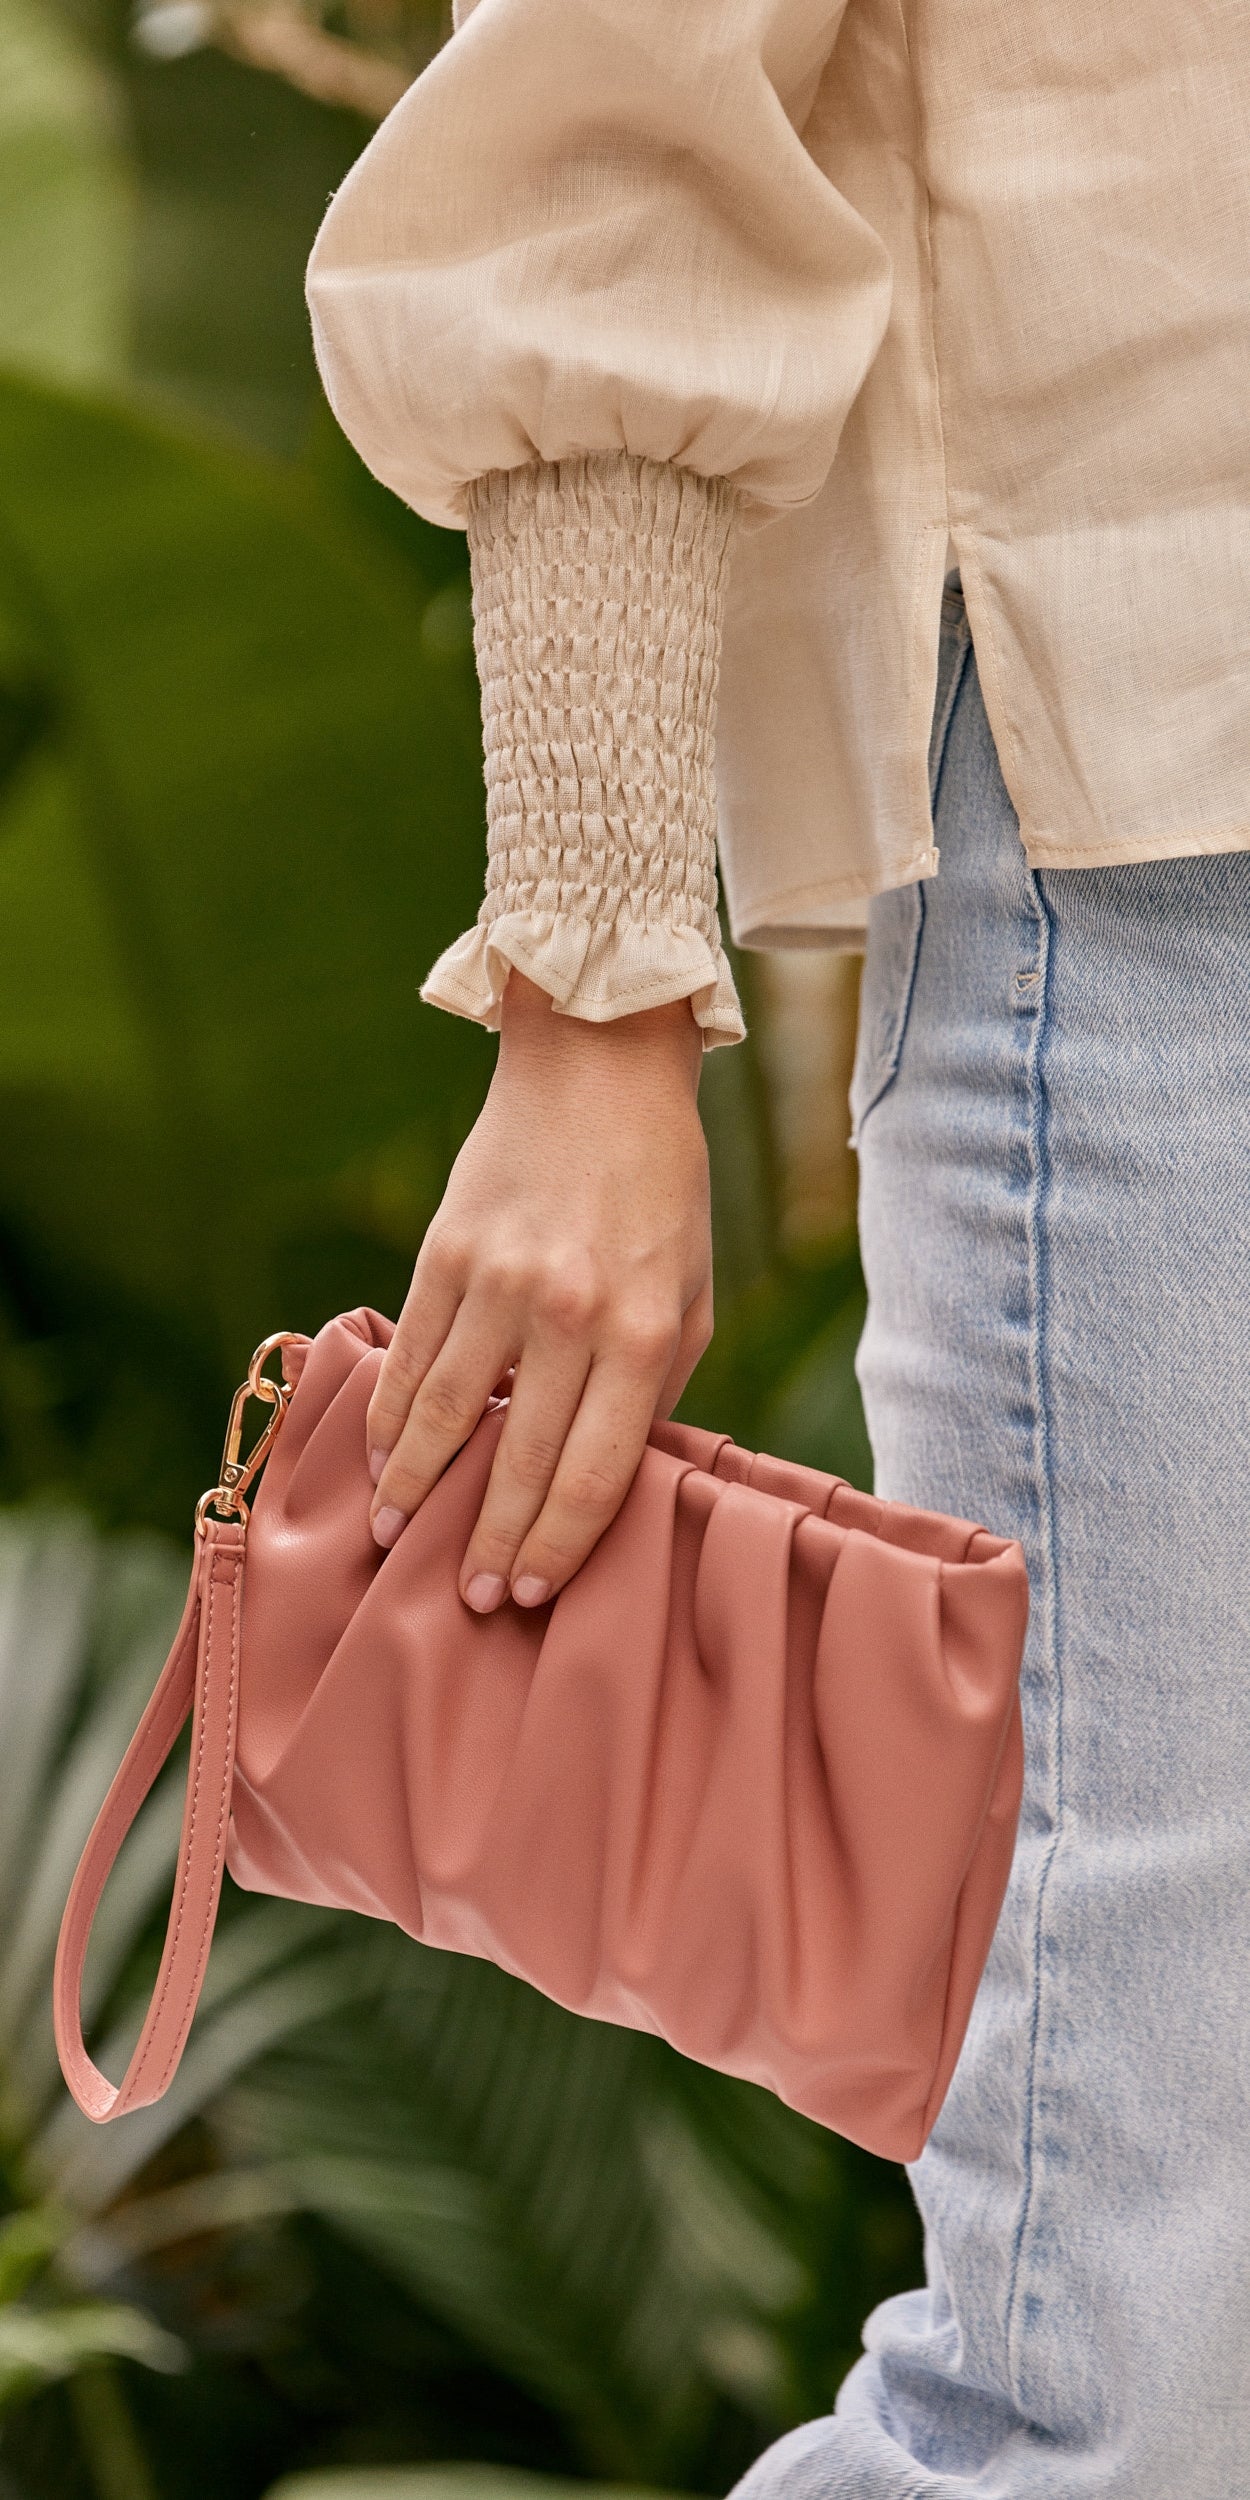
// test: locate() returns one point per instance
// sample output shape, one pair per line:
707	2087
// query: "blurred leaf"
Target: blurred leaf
62	1733
41	2344
670	2259
736	1115
27	712
846	2222
266	777
493	2165
65	202
233	172
744	2274
437	558
779	1373
27	2239
219	895
815	1414
452	2482
85	1623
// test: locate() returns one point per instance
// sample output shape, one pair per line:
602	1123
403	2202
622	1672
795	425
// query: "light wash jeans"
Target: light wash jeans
1052	1104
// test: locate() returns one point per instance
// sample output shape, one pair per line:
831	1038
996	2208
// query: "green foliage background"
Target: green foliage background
400	2210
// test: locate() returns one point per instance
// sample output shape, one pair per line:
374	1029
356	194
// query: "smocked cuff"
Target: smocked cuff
597	970
598	598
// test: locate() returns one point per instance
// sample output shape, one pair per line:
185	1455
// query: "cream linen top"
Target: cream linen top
722	327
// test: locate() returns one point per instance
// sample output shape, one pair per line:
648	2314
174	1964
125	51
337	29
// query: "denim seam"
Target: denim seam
902	1021
1039	1140
976	597
958	673
939	742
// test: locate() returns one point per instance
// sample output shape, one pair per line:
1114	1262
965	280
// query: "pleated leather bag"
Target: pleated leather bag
750	1780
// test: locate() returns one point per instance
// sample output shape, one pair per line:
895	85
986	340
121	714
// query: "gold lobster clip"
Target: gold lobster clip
238	1473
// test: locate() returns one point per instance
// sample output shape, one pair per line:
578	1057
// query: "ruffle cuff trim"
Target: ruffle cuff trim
595	969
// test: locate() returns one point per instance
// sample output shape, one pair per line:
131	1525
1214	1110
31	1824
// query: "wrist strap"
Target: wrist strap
201	1672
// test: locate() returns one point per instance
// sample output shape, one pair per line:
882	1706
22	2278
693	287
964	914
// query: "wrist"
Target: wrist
531	1025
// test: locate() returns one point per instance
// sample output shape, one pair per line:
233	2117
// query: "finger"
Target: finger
430	1306
546	1391
598	1463
449	1401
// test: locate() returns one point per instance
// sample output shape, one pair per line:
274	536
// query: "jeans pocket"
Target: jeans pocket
895	921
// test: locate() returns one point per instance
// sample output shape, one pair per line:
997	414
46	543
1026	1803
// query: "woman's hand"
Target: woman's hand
574	1241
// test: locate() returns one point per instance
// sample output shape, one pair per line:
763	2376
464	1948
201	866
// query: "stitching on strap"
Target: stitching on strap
231	1576
196	1777
154	1739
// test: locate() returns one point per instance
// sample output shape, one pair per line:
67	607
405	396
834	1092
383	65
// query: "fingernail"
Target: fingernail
388	1525
529	1590
377	1461
485	1590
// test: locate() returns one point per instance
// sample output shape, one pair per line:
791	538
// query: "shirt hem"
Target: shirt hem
815	914
1043	850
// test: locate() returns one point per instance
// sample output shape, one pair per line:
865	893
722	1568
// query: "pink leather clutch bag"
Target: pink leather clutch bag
750	1779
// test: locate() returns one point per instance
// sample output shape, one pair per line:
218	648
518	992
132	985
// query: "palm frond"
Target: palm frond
85	1621
491	2160
41	2344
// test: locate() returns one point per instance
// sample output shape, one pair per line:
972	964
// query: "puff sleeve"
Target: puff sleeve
587	296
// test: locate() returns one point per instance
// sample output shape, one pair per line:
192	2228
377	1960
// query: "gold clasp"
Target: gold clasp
238	1473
